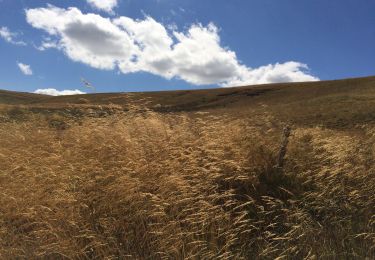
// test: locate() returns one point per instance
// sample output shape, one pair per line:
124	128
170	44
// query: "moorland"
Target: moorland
191	174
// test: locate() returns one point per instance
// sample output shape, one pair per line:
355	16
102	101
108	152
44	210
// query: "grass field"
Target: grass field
190	174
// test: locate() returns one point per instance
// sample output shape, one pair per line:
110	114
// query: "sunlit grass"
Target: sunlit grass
190	174
144	185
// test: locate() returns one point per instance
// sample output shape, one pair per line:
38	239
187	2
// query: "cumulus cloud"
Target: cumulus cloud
25	69
195	55
105	5
55	92
90	39
290	71
10	37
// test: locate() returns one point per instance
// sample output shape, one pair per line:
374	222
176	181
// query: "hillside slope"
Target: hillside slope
193	99
339	103
203	174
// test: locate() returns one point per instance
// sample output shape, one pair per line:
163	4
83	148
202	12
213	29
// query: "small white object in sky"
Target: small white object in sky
25	69
87	84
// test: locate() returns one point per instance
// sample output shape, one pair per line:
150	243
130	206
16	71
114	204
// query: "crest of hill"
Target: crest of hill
181	100
339	104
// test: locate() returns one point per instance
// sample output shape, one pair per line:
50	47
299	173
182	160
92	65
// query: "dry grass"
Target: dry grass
200	185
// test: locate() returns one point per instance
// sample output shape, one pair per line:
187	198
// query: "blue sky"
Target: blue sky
148	45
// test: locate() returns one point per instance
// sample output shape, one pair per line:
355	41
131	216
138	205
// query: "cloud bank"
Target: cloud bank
25	69
9	36
195	55
55	92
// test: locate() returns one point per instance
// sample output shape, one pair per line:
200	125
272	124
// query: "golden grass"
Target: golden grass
199	185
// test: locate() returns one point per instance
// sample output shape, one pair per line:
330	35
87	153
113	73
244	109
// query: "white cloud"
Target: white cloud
195	55
25	69
9	36
290	71
55	92
105	5
90	39
48	43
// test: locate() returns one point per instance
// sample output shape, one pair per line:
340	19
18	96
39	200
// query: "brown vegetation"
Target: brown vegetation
142	176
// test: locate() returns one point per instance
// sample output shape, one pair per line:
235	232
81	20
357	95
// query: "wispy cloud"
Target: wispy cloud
10	37
47	44
55	92
195	55
25	69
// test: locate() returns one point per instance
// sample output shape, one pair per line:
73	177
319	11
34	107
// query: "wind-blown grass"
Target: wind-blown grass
190	174
199	185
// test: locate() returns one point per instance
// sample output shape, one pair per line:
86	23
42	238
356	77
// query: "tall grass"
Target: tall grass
143	185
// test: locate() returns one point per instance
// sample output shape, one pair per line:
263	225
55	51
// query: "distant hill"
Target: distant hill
13	97
209	97
336	103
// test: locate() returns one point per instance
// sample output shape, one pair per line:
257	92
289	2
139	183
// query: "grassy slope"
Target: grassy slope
184	174
337	103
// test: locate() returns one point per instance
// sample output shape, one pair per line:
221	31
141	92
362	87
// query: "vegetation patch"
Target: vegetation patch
122	181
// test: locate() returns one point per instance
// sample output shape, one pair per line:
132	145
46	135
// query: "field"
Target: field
190	174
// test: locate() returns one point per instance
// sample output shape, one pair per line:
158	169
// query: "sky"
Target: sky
48	47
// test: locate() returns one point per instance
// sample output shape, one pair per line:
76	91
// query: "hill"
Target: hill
193	174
